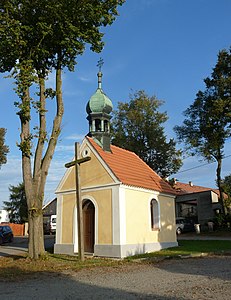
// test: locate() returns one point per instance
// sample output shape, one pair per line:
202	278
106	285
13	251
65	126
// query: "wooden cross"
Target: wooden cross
76	163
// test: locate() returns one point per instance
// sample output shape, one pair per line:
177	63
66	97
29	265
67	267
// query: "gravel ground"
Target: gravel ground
192	278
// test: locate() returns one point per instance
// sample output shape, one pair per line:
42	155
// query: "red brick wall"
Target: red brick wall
18	229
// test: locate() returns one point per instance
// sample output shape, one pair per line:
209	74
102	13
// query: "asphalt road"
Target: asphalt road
19	247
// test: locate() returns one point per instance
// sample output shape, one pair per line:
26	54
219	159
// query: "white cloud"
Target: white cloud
51	80
56	172
75	137
10	174
72	93
64	148
84	79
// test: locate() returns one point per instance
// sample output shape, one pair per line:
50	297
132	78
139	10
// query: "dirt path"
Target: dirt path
201	278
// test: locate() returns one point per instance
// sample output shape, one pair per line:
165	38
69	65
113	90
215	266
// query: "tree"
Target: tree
17	205
207	125
39	37
137	126
226	184
3	148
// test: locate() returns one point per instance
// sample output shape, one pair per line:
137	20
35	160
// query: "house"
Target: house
50	208
49	217
4	216
127	208
197	202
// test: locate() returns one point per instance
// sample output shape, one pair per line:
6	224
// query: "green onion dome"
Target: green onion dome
99	102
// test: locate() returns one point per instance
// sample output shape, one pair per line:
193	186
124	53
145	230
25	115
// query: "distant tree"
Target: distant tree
17	205
226	184
39	37
3	148
207	125
138	126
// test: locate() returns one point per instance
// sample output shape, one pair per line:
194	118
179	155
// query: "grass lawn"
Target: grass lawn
19	268
192	247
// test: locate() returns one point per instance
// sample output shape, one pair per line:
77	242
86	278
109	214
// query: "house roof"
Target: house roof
49	203
131	170
189	188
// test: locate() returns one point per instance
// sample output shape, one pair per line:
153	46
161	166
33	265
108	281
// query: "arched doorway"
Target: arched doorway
89	226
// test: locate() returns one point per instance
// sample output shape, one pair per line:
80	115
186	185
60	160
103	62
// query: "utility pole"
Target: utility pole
76	163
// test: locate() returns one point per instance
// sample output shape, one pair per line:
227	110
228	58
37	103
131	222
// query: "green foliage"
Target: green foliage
17	205
137	126
26	145
46	33
207	125
23	110
3	148
40	36
222	222
227	184
208	120
50	93
37	36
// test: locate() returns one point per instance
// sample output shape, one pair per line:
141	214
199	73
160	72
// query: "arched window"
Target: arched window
154	210
97	125
106	126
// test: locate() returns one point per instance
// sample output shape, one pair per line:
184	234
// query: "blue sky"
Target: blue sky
165	47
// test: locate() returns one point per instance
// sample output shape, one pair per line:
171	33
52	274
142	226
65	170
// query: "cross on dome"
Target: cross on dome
100	64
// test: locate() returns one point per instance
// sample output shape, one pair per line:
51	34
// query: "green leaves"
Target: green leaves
52	32
227	189
138	126
38	37
17	205
26	146
3	148
208	120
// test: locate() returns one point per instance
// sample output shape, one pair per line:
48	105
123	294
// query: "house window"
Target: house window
154	210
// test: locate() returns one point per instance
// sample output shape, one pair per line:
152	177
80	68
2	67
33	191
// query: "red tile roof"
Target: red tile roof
187	188
131	170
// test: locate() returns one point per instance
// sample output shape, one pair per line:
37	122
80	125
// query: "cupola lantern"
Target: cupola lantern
98	109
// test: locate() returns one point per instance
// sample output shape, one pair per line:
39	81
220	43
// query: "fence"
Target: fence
18	229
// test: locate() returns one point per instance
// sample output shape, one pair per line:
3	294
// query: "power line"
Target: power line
200	166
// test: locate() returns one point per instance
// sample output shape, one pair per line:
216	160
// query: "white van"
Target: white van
53	224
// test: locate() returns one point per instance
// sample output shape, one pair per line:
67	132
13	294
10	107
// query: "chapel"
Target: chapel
127	208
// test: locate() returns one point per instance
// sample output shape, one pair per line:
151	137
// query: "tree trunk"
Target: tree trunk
36	238
35	183
219	163
34	202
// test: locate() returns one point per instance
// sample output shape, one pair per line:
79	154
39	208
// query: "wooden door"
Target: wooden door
89	226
